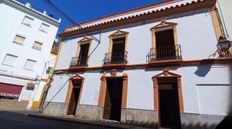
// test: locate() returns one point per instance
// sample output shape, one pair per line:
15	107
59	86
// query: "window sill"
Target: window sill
28	25
8	65
28	69
17	43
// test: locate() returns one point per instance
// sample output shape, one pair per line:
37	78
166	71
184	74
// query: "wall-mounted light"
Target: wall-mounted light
223	47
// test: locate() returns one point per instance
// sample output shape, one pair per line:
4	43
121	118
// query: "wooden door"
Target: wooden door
75	94
113	100
118	50
169	113
165	45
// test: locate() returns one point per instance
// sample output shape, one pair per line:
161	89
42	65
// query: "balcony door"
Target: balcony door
83	56
118	50
165	44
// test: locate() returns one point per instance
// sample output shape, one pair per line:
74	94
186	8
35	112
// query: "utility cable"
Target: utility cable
51	4
55	95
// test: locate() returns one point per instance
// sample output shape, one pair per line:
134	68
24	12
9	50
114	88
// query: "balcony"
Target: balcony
162	53
79	61
115	58
55	50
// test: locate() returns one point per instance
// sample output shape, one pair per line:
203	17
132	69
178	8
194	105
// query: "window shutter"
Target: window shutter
37	45
29	64
9	59
19	39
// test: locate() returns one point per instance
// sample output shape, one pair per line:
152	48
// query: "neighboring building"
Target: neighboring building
157	66
26	40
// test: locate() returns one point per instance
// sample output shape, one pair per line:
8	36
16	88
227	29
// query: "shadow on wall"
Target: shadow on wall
226	123
202	70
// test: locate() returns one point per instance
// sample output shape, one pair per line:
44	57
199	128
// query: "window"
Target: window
29	65
55	48
27	21
117	49
44	28
9	59
19	39
37	45
164	43
81	58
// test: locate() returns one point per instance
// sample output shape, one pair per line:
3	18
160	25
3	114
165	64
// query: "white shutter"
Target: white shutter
9	59
19	39
27	21
37	45
44	28
29	64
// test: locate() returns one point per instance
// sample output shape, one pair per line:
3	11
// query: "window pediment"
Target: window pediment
166	73
119	34
164	26
85	40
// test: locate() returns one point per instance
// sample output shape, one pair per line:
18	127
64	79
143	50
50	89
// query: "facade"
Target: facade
156	66
27	37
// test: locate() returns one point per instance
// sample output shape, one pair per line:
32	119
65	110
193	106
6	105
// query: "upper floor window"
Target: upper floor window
164	42
82	52
27	21
29	64
55	48
19	39
44	28
9	59
37	45
117	48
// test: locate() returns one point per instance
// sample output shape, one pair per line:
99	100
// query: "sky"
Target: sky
85	10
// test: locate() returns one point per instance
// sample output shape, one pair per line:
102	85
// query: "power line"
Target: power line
69	18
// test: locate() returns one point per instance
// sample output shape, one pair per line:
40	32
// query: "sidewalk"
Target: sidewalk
104	123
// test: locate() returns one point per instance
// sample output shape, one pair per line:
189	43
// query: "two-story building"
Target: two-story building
163	65
26	41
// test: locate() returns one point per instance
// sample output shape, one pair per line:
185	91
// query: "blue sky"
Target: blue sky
85	10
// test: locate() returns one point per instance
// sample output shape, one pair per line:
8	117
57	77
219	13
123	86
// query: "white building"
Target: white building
157	65
26	40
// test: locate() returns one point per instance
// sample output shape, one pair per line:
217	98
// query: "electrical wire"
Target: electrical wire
55	95
51	4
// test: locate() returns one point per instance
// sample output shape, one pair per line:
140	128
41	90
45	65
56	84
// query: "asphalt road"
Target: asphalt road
12	120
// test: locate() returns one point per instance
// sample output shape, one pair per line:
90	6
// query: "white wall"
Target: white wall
203	86
10	25
195	34
206	89
224	7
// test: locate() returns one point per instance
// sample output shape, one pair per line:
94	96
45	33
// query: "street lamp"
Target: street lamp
223	47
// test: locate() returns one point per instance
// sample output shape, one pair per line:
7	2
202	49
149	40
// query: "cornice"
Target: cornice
18	5
189	6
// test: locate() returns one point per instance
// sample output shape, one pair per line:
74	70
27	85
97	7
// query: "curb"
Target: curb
95	123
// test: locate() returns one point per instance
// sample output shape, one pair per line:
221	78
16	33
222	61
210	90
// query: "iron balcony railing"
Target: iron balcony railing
164	53
79	61
115	58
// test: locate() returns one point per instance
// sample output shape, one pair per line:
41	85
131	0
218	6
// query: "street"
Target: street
12	120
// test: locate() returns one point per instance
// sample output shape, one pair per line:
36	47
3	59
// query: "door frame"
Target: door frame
165	75
103	86
70	88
